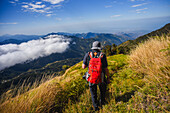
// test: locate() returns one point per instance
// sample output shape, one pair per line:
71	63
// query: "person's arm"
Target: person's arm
84	65
107	74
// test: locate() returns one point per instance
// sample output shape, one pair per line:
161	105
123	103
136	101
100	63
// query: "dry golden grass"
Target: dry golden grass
152	58
40	99
35	100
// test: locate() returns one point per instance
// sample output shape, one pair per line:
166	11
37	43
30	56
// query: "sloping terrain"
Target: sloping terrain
33	69
32	75
138	84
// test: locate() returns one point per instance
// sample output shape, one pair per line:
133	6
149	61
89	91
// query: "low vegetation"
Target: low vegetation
139	83
151	59
33	76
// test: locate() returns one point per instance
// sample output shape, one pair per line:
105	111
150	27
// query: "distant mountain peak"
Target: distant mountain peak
53	36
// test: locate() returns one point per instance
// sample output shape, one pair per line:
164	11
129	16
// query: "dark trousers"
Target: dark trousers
93	91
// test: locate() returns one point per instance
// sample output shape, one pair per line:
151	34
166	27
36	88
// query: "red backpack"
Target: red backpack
95	69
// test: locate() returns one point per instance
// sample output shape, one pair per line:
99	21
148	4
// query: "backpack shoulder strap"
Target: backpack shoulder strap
101	55
91	54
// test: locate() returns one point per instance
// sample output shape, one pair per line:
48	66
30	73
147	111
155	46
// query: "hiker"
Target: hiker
91	75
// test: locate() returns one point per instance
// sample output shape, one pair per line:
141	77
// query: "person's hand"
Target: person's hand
84	66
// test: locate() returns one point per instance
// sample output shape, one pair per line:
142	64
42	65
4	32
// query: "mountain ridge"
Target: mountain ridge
73	52
77	48
126	46
134	85
133	88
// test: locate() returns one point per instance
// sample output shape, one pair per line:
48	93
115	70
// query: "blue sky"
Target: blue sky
107	16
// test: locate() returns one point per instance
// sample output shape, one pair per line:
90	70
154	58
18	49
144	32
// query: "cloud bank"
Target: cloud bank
12	54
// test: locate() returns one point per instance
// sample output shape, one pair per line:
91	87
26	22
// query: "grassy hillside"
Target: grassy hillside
34	69
139	83
127	46
32	75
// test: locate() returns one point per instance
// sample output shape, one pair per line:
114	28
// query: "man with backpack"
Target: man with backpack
97	69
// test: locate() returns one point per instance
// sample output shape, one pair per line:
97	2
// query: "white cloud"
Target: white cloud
54	1
141	12
108	6
113	16
47	8
11	2
10	23
25	6
38	11
38	2
57	6
38	7
24	3
132	0
12	54
48	15
139	5
41	7
35	6
141	9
